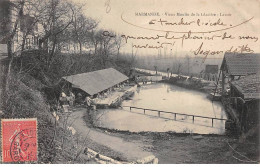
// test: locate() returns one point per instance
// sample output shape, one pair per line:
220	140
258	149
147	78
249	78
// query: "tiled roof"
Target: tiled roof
241	64
96	81
249	86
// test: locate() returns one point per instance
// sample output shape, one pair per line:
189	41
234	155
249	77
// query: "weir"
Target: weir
149	78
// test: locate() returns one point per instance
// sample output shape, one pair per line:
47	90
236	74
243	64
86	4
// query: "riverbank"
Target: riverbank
170	147
193	83
103	142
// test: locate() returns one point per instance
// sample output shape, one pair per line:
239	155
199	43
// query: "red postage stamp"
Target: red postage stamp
19	140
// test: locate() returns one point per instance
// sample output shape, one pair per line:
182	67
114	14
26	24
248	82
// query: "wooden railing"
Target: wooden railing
175	114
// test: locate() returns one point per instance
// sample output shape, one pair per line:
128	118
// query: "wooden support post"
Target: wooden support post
130	108
236	103
216	86
193	118
212	121
175	116
144	111
159	113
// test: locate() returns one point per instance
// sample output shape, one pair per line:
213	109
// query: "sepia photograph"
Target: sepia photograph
129	82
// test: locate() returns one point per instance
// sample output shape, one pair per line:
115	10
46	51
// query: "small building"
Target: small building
211	69
235	65
245	99
211	72
27	33
95	82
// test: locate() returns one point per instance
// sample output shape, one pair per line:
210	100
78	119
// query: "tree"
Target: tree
107	47
104	45
17	8
81	26
168	69
118	43
155	68
188	62
18	13
56	18
30	20
94	39
179	68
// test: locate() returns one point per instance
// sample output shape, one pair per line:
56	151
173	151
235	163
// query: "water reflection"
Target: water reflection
170	98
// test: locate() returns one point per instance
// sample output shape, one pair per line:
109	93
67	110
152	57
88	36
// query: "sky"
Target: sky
120	16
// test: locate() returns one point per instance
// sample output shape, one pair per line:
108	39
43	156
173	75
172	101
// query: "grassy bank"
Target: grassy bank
30	88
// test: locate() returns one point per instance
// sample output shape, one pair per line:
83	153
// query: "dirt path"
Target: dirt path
187	149
131	150
168	148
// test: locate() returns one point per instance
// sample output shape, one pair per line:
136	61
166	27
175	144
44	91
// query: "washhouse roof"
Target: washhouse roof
96	81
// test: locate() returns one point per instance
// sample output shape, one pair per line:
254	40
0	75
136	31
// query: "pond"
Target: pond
165	97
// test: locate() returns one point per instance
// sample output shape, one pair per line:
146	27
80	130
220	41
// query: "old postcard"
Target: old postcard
129	81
